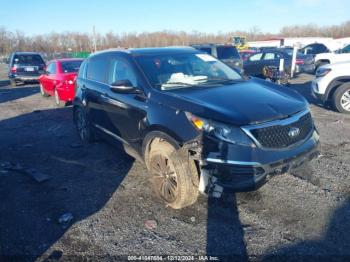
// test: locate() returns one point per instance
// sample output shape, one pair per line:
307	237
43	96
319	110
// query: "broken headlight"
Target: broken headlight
230	134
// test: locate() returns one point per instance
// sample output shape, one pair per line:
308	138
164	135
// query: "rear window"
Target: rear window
28	59
71	66
227	52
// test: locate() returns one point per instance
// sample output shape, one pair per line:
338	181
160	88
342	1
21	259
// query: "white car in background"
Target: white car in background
341	55
332	84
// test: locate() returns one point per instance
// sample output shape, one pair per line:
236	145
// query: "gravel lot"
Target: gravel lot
300	215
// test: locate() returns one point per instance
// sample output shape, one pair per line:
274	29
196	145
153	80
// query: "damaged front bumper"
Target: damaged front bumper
241	168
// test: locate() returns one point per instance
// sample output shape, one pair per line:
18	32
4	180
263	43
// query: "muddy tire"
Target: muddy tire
82	124
174	178
42	91
341	98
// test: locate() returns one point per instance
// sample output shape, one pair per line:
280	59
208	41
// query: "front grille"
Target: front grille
278	136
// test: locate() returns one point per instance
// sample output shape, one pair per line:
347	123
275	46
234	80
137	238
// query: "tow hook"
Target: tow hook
208	185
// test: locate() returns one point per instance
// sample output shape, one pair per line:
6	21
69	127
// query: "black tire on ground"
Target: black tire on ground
174	177
341	98
42	92
82	123
58	102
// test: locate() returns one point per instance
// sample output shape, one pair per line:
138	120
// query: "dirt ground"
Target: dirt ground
303	215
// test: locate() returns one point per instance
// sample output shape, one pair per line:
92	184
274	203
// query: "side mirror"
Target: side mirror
123	86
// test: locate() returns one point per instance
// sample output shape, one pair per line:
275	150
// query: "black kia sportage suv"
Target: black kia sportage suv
196	124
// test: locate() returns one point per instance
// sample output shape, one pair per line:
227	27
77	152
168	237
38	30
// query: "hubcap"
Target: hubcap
345	100
164	178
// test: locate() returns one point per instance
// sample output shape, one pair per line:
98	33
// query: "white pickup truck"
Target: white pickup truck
341	55
332	84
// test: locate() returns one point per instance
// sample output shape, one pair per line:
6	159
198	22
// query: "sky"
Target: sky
45	16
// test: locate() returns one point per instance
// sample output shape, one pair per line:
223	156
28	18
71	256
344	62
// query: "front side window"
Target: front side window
255	57
172	71
96	69
121	70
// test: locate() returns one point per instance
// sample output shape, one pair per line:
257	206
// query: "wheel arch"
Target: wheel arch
156	132
334	84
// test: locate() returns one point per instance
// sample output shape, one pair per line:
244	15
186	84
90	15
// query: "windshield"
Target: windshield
173	71
71	66
28	59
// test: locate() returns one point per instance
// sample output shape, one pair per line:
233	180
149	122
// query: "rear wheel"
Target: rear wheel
341	98
82	124
174	177
42	91
58	101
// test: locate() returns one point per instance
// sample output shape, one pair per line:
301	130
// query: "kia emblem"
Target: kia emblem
293	132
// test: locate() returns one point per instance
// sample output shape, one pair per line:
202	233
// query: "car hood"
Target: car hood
243	103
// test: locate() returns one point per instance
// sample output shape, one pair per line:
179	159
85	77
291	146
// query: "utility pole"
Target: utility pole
94	37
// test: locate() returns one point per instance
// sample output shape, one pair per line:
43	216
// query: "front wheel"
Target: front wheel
341	98
42	91
174	177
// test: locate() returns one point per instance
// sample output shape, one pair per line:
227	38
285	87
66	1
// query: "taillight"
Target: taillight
299	62
69	82
14	69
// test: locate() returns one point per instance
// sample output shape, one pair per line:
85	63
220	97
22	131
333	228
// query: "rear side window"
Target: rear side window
71	66
269	56
28	59
227	52
97	68
82	69
346	49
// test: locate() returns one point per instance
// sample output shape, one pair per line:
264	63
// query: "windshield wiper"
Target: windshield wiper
223	81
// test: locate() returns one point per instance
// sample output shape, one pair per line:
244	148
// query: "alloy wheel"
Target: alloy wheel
345	100
164	178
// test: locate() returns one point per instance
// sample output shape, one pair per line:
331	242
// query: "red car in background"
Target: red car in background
59	79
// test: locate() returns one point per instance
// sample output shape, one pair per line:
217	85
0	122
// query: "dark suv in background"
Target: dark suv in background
25	67
198	125
225	53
